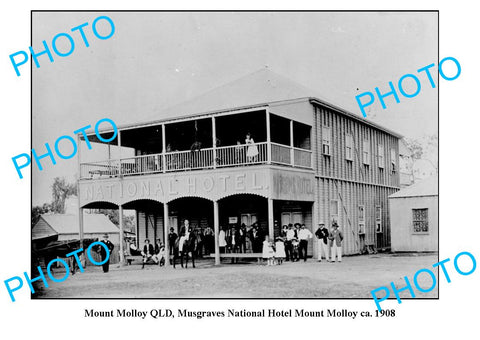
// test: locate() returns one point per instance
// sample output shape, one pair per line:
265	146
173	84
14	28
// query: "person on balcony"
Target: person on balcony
195	160
239	153
252	149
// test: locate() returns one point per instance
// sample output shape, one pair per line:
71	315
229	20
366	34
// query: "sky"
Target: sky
156	60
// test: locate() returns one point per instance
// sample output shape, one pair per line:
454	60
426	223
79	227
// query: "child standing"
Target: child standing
279	250
268	251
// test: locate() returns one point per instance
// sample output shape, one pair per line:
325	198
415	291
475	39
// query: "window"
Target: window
378	219
361	219
334	210
420	221
393	157
326	121
349	147
381	156
326	140
366	152
248	219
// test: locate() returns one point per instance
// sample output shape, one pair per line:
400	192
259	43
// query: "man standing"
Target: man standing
336	238
172	237
209	240
303	235
322	247
103	252
289	236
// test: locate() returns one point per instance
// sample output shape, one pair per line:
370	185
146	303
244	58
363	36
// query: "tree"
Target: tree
40	210
423	157
60	191
415	148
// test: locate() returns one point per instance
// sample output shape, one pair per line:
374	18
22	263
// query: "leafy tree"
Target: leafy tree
425	150
39	210
60	191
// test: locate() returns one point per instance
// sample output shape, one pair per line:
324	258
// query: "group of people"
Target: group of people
329	242
149	252
202	241
241	239
252	150
247	152
290	245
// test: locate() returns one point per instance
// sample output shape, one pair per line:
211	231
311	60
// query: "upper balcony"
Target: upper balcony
207	142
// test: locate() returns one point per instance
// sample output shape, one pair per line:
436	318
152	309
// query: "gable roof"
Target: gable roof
426	187
68	223
256	89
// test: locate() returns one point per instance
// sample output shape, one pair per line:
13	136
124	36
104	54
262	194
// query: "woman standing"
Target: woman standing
222	241
252	150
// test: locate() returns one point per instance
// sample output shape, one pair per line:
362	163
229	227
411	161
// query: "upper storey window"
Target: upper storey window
393	157
381	156
326	140
349	147
366	152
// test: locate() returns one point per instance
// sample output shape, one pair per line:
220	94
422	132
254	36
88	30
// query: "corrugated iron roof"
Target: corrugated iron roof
68	223
426	187
256	89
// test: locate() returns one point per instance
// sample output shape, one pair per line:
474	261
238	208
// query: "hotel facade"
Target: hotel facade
314	162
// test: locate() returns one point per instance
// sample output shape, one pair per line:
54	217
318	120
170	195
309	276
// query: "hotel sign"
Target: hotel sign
212	185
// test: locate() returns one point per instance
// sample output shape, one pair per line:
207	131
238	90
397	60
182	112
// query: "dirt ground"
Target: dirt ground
355	277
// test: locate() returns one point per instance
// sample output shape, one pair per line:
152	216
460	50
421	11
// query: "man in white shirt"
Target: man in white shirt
322	236
290	235
303	235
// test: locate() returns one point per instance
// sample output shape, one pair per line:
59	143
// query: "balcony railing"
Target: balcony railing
209	158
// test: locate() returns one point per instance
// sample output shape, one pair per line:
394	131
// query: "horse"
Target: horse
188	246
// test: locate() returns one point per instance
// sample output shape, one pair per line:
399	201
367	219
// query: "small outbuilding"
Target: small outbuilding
414	217
65	227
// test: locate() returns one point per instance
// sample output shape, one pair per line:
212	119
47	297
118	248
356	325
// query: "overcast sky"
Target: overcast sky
155	60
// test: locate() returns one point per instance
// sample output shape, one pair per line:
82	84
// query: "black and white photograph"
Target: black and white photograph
238	170
224	155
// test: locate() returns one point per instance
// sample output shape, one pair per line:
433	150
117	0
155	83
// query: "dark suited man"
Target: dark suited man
148	252
103	253
172	237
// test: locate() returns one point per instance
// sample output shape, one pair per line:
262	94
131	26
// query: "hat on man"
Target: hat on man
105	236
321	223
